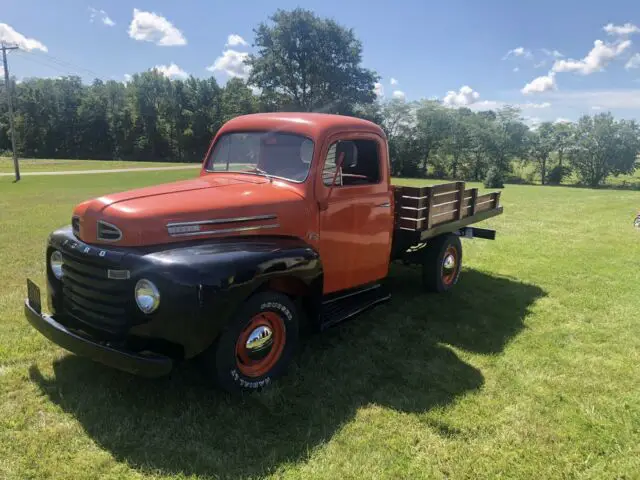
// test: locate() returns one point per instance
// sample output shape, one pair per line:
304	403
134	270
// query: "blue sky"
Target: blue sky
539	55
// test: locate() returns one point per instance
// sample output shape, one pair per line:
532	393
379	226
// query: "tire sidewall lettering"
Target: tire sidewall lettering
278	307
247	384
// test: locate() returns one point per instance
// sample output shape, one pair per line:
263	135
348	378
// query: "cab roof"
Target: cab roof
313	125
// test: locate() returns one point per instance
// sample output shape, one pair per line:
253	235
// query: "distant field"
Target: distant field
527	172
45	165
527	370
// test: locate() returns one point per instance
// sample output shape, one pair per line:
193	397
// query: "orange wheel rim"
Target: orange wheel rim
260	344
449	265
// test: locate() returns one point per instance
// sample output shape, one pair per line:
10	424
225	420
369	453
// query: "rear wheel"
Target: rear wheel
258	345
442	261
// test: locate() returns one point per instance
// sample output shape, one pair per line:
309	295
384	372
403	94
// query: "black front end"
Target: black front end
200	285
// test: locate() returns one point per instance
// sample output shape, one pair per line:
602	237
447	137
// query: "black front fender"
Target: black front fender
206	282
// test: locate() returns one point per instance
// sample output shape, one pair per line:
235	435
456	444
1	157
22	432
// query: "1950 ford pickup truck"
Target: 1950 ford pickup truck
293	218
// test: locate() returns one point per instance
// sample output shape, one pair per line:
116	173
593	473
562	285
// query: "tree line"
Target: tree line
429	139
305	63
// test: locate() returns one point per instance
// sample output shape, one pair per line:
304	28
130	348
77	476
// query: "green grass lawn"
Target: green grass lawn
528	369
53	165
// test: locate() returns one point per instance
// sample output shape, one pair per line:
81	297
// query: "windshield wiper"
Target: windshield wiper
261	172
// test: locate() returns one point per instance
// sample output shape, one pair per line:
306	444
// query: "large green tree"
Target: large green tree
603	147
541	142
308	63
433	121
399	124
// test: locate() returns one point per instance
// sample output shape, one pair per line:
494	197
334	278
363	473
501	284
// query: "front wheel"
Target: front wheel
442	262
258	345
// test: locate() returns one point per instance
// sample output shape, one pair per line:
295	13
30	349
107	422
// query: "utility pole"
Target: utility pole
8	90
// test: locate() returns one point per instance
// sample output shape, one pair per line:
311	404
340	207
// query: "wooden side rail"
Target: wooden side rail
422	208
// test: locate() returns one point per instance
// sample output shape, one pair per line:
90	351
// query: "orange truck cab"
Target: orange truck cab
293	218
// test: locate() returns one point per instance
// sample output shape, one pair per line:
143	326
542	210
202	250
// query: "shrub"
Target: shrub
516	180
494	178
556	174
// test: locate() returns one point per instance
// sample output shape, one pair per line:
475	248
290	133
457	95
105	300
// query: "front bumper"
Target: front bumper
152	365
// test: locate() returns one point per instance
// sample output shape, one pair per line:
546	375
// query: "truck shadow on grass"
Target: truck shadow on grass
395	356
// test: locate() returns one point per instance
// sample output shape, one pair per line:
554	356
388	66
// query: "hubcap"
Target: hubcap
449	262
449	265
259	342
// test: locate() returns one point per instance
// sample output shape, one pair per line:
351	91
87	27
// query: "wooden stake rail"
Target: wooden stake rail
423	208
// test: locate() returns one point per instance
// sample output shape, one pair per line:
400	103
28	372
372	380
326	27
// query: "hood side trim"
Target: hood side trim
217	221
225	230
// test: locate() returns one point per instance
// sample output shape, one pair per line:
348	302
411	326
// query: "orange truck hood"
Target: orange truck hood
210	206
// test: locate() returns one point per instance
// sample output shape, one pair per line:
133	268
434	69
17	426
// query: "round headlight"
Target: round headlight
55	261
147	296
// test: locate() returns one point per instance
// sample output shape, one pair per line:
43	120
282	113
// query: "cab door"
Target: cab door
356	213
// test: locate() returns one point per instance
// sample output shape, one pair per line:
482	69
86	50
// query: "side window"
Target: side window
329	170
360	163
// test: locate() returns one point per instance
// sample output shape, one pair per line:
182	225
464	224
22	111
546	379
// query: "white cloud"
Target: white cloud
172	71
599	57
516	69
596	107
102	15
399	94
633	62
540	64
496	105
234	40
552	53
10	36
486	105
151	27
533	122
232	63
393	81
533	105
540	84
465	96
562	120
626	29
518	52
622	99
127	77
378	89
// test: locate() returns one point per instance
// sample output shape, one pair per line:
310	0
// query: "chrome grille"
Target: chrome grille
108	232
91	296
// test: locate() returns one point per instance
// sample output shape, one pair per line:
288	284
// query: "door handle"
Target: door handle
384	205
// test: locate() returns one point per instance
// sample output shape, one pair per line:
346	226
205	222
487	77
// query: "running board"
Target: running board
342	307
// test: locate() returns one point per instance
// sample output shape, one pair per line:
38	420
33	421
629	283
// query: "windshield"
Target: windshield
282	155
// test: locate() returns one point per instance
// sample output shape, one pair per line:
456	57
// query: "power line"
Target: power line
52	66
9	91
67	63
56	63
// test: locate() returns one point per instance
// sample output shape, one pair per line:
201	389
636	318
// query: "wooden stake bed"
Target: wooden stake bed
425	212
